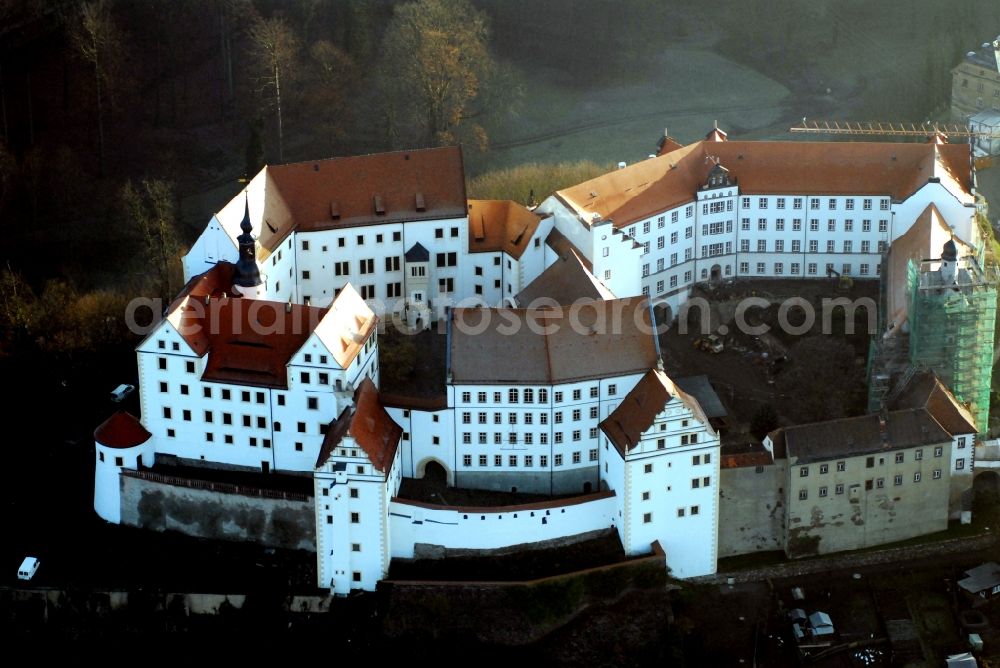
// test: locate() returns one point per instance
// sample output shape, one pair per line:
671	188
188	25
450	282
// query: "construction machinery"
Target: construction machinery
843	282
710	344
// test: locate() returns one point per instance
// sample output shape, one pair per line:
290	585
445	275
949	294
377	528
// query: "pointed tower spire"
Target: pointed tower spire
247	273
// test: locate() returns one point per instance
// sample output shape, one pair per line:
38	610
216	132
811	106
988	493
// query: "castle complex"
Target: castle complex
268	362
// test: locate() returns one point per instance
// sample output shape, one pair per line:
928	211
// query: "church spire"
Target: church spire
247	273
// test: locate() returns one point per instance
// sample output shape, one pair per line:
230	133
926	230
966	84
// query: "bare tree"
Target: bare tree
153	210
332	76
99	42
437	69
276	48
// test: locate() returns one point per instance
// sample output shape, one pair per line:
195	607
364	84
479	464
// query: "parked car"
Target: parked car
28	568
122	391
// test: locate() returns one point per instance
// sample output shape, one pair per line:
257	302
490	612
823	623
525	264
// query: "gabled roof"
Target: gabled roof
417	253
346	326
925	390
637	411
248	341
862	435
565	282
423	184
565	248
595	339
500	225
121	430
650	186
368	423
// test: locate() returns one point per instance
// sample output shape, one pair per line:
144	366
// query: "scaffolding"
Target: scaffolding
952	328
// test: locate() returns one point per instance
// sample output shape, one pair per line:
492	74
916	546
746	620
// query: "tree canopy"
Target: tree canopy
439	78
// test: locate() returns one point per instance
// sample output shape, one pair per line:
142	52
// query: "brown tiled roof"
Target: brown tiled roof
565	248
925	390
248	341
768	167
425	184
121	430
637	411
368	423
500	225
593	339
564	282
849	437
746	459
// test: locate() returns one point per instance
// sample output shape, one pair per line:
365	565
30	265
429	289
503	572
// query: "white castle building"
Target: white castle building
268	360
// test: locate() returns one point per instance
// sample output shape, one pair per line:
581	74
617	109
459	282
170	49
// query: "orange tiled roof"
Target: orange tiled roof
768	167
500	225
121	430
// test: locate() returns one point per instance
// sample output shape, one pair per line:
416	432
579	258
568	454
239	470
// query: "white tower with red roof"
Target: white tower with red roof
121	442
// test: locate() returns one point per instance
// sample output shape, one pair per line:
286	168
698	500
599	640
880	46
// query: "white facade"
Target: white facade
238	424
490	529
353	545
722	232
667	486
530	436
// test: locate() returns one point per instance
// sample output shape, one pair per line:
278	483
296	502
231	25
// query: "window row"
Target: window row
525	438
527	461
876	483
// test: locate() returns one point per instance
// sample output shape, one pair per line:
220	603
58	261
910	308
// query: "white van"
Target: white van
121	392
28	568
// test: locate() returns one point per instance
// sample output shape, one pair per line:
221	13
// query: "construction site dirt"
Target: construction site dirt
767	347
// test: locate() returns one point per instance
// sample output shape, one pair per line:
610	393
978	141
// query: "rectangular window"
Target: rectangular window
937	474
822	491
897	479
959	464
803	494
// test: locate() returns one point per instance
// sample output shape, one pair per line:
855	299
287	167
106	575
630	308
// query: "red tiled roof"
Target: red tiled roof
425	184
637	411
500	225
369	425
121	430
768	167
250	341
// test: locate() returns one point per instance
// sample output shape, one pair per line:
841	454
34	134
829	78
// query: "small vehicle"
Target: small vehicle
119	393
711	343
28	568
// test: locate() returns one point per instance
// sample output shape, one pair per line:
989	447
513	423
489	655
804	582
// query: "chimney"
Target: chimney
996	51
